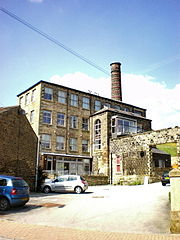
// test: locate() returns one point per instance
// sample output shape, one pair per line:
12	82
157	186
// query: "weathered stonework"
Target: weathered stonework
175	200
18	145
136	154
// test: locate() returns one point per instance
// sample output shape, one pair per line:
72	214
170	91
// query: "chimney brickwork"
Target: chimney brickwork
116	91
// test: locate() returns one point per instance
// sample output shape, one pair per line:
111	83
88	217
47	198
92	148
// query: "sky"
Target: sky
143	35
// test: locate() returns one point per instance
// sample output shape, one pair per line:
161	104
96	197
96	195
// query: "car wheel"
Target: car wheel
46	189
164	184
78	189
4	204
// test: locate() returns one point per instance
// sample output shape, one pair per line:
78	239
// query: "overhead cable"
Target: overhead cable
54	41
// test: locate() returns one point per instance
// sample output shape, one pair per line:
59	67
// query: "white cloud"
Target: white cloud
162	104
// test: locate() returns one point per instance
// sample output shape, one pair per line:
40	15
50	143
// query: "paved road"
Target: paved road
128	209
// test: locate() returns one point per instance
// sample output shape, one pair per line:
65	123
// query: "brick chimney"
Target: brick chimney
116	91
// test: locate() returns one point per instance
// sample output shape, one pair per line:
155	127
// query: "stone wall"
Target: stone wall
175	201
135	152
18	145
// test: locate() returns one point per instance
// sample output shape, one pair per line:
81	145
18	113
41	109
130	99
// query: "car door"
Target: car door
59	184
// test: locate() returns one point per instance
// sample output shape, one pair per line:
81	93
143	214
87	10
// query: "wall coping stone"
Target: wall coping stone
174	173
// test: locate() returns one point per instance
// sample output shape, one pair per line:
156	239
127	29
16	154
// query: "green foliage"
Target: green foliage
170	148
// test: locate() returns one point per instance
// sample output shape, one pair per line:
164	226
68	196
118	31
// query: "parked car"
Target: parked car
65	183
14	191
165	179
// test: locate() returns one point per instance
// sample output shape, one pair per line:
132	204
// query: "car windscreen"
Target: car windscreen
19	183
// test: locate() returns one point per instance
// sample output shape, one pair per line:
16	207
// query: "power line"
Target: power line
54	40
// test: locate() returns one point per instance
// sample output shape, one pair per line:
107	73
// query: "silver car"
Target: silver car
65	183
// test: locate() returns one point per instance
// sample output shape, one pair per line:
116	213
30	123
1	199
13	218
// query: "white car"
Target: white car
65	183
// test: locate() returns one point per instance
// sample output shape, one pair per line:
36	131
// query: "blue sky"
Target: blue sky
141	34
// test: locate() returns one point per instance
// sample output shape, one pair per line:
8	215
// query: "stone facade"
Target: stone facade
67	159
175	201
18	145
135	154
102	156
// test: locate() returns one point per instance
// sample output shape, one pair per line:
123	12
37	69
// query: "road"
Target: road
133	209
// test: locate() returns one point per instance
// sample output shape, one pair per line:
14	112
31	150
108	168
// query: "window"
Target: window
61	119
60	143
85	145
85	124
62	96
97	105
49	165
48	93
3	182
27	99
32	116
126	126
117	107
73	121
73	144
46	141
118	164
47	117
85	103
33	95
74	100
97	134
21	100
107	105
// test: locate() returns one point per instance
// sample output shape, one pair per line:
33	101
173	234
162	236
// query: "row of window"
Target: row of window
74	98
60	143
61	120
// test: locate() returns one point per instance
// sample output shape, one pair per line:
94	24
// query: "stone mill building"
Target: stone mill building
83	133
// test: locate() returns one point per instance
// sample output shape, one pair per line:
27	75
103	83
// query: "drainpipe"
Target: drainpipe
37	163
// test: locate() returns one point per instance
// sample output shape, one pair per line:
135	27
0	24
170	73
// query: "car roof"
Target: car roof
9	177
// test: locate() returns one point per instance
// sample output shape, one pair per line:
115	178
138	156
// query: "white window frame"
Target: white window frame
33	95
97	105
85	125
47	117
48	93
62	96
60	142
61	119
97	134
46	141
86	103
73	144
73	121
74	100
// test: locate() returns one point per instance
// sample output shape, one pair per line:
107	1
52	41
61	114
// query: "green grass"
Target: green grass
170	148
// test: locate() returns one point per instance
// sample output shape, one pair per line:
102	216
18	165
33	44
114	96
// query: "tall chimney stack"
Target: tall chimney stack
116	92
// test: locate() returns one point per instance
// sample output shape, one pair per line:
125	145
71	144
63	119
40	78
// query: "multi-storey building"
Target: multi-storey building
60	116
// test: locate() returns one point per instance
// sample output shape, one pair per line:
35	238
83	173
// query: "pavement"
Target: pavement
11	230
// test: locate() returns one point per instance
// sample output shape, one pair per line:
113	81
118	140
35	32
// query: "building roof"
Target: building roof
118	111
158	151
5	109
90	94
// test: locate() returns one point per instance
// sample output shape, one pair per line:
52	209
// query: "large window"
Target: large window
60	143
73	122
122	126
97	134
61	119
62	96
46	141
97	105
47	117
74	100
85	145
48	93
85	103
85	124
73	144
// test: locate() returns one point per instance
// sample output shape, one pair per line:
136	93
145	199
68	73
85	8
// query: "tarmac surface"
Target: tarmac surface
104	213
